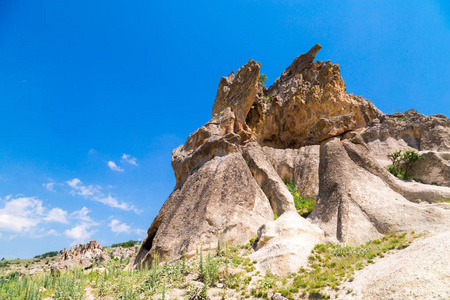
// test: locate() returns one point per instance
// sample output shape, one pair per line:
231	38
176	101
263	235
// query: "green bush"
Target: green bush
128	244
402	163
303	203
48	254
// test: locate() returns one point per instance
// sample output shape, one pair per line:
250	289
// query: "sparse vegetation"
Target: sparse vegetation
48	254
128	244
402	163
303	203
227	272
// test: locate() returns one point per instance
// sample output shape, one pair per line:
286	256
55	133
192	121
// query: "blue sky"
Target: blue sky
95	94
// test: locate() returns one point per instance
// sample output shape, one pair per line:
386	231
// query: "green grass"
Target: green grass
304	204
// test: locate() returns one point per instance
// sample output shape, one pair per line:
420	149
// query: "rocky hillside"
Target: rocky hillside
332	146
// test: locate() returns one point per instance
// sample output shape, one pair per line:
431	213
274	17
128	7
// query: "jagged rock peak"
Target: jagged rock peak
302	62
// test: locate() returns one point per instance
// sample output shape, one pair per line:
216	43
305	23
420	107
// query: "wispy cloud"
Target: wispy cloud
94	192
129	159
121	227
24	214
49	186
112	165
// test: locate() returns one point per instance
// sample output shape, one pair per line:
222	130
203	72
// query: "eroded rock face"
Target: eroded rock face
221	199
309	103
308	130
356	204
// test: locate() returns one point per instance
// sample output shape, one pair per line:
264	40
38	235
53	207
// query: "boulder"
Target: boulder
283	245
413	130
433	169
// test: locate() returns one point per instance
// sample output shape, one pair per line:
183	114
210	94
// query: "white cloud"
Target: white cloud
80	233
130	159
49	186
112	165
120	227
23	214
57	215
94	193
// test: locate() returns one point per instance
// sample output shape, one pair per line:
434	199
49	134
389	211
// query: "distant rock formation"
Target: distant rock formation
308	130
122	253
83	256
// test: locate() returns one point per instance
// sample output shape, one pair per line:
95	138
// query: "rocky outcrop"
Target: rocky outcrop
283	245
305	129
421	271
411	129
308	97
83	256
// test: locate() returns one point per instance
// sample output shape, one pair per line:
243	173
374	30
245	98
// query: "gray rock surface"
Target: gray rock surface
221	199
279	196
300	166
356	205
434	168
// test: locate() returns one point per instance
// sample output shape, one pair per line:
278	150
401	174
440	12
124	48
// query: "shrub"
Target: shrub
263	79
402	162
48	254
128	244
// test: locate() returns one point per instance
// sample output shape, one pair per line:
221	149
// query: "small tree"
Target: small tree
263	79
402	162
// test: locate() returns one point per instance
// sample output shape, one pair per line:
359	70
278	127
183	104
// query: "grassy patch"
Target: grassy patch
303	203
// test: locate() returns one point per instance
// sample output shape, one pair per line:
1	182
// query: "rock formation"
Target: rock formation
308	130
122	253
83	255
